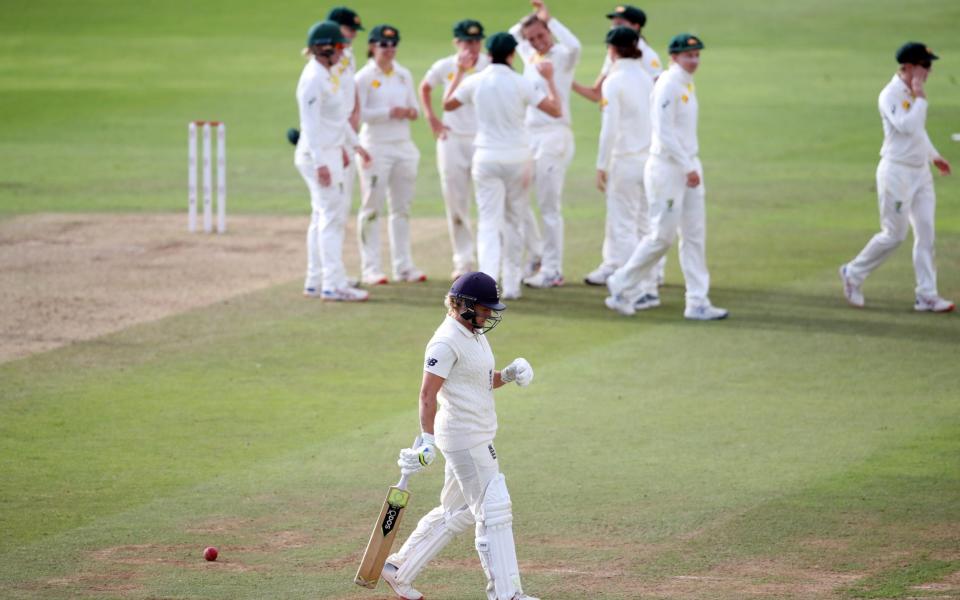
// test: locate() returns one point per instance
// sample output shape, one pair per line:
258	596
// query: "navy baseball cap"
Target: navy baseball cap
345	16
682	42
468	29
629	13
623	36
501	43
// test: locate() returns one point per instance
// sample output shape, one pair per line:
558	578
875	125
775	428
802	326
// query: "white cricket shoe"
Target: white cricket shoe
413	275
544	280
598	276
403	591
375	279
347	294
704	312
851	290
933	304
647	301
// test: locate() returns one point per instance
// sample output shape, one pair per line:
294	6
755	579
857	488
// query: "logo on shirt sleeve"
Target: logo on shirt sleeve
432	362
906	105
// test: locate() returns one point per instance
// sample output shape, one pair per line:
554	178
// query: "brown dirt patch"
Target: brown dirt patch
71	277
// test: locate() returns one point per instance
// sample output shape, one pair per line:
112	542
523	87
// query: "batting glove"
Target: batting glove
415	459
519	370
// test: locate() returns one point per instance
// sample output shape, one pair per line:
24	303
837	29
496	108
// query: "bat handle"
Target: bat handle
402	484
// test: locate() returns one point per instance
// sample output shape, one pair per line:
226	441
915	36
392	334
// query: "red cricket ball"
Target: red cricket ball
210	553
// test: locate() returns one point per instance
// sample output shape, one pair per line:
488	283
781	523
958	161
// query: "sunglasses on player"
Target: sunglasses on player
387	43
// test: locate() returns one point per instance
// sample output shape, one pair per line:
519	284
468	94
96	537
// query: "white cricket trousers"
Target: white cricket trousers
467	476
674	208
628	218
454	159
500	190
391	177
906	198
552	149
330	209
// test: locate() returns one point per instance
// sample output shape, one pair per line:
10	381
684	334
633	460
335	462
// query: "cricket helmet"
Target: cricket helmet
471	289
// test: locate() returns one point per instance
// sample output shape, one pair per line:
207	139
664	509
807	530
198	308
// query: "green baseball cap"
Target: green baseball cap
468	29
915	53
629	13
682	42
345	16
501	43
623	36
325	33
384	33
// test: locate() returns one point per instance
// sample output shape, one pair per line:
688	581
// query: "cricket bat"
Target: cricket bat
384	531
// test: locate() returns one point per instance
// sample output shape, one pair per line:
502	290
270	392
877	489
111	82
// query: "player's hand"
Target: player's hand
541	10
415	459
411	113
346	157
364	156
942	165
545	69
601	180
438	128
918	80
398	112
323	176
693	179
519	370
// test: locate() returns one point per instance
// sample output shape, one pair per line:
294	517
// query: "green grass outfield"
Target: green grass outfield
799	450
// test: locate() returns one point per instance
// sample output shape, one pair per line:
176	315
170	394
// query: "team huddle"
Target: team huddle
503	135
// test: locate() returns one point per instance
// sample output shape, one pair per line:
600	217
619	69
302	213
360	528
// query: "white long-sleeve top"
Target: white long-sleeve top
324	123
501	97
564	54
379	92
625	109
346	70
673	118
462	121
904	117
650	61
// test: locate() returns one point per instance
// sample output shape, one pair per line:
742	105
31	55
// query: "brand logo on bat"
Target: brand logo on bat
390	519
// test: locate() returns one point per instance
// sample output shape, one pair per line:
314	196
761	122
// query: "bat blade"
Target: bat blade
381	538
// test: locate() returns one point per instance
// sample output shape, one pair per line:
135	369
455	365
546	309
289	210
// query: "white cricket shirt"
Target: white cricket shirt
904	117
564	54
673	118
346	70
650	61
625	110
500	97
380	92
324	124
462	121
466	415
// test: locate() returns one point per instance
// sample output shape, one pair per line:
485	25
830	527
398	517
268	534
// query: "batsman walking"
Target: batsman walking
458	416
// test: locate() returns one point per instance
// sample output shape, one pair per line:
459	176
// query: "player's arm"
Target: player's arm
426	100
411	99
450	102
592	93
550	104
904	117
567	39
429	388
355	114
609	128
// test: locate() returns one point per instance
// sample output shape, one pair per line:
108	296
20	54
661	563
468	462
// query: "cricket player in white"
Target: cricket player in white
649	60
501	161
324	148
673	180
458	416
387	105
623	152
346	70
551	138
904	183
454	135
